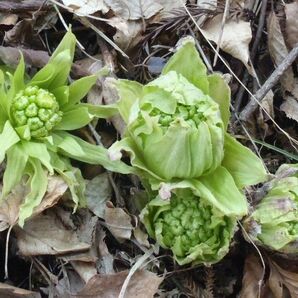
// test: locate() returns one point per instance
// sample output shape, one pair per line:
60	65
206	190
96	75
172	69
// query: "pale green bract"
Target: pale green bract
197	231
274	221
176	125
34	118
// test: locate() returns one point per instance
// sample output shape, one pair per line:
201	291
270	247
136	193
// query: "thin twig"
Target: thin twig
253	53
6	252
269	84
16	6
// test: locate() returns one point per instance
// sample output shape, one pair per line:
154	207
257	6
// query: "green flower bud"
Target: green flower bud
181	225
37	108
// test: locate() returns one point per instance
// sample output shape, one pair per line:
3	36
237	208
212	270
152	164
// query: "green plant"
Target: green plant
176	125
274	221
199	220
35	116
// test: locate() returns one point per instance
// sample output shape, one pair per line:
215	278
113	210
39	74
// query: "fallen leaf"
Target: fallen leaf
45	234
291	11
235	38
134	9
128	33
143	284
280	278
10	207
290	107
85	270
86	7
252	277
278	50
56	188
118	222
141	237
169	6
8	19
98	192
9	291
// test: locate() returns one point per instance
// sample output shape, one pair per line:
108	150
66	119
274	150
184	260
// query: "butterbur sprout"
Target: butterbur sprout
274	220
195	223
35	116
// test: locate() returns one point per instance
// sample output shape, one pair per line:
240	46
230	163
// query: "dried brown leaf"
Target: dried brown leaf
278	50
143	284
252	277
45	234
280	279
9	291
290	107
134	9
85	270
10	207
235	38
86	7
98	192
291	11
8	19
118	222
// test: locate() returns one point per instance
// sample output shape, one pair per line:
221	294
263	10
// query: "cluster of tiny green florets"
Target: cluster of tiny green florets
37	108
191	114
189	219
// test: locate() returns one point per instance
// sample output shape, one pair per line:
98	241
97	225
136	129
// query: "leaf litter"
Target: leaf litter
103	251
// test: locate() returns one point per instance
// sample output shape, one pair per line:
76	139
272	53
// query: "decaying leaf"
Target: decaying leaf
235	38
252	277
86	7
98	192
9	291
8	19
278	50
134	9
290	107
9	208
46	234
291	11
143	284
280	279
118	222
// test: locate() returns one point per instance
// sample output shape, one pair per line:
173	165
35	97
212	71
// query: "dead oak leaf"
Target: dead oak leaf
118	222
14	292
280	278
45	234
143	284
235	38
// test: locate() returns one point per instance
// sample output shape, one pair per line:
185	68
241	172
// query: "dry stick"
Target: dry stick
253	53
272	80
22	6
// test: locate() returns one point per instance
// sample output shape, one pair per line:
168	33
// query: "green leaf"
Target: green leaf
68	43
15	166
4	103
79	89
61	94
17	82
245	167
72	177
78	149
38	151
187	61
8	138
101	111
76	118
130	93
221	190
54	74
220	91
38	185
